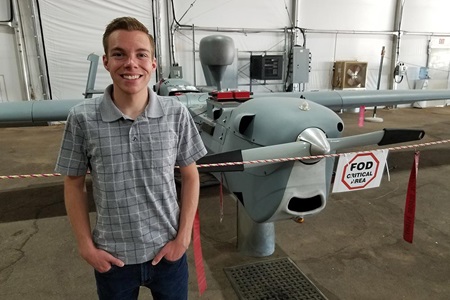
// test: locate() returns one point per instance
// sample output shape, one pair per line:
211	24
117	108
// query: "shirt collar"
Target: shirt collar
154	107
110	112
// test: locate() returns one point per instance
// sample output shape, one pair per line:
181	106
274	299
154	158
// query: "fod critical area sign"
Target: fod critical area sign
358	171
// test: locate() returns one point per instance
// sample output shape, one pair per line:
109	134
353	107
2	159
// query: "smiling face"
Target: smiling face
130	62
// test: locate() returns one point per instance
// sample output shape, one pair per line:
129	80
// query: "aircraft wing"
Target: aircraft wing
341	99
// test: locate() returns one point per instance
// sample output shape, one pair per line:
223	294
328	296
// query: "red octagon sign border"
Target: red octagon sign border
373	177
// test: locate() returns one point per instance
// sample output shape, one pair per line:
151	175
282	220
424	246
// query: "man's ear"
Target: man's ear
105	62
154	64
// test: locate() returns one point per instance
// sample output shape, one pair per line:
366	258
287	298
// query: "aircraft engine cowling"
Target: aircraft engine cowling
288	190
281	120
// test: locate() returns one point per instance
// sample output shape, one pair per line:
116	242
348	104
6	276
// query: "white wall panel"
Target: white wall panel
328	48
315	15
73	30
11	80
256	43
235	13
420	16
5	10
347	14
426	16
414	55
238	14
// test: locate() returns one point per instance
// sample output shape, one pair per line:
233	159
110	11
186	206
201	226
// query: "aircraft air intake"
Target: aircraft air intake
302	205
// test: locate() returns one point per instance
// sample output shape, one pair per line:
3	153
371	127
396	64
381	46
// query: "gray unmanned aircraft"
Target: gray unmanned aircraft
237	127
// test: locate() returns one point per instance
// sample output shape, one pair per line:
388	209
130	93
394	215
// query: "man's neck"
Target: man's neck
131	105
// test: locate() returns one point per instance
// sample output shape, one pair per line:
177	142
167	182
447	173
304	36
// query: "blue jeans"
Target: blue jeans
168	280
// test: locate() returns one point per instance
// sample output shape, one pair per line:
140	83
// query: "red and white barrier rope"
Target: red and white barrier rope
259	161
274	160
29	176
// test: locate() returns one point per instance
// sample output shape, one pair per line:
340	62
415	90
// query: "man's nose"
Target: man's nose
131	61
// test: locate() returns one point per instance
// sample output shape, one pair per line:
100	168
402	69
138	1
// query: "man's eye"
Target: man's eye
117	54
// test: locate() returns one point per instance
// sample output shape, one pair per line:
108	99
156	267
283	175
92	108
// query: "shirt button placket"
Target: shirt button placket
134	138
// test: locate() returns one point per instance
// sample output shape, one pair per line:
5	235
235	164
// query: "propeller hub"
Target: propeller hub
317	139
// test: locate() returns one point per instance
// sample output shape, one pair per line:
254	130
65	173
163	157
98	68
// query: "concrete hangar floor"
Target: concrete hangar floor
352	250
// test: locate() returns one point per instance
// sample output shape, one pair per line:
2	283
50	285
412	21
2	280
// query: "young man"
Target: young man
130	140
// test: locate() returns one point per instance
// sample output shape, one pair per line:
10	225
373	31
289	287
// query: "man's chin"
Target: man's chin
130	91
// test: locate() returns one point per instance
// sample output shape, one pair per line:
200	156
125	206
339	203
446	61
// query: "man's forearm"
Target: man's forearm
76	201
190	189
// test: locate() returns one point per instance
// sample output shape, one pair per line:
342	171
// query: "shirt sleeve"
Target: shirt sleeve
190	144
72	159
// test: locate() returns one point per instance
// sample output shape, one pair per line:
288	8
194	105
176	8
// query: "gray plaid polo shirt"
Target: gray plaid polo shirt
132	168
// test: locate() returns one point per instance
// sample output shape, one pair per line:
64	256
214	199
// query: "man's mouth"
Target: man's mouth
131	77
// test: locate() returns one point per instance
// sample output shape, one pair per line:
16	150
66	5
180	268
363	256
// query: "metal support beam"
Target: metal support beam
254	239
396	43
41	56
158	40
21	49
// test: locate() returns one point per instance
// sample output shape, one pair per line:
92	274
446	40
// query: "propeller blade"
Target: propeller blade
232	161
394	136
311	142
218	162
382	137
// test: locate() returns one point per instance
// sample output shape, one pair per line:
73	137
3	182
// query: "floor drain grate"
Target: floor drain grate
272	279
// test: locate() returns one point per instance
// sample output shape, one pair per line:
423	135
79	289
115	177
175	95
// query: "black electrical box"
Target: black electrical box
266	67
